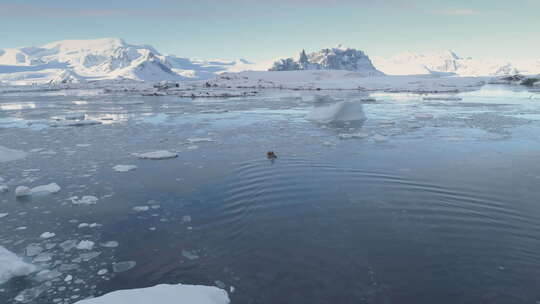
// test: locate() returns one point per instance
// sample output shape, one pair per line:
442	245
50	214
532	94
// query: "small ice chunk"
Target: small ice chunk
12	266
102	272
4	188
30	294
33	249
85	245
45	189
190	254
141	208
89	256
68	278
83	225
196	140
85	200
21	191
68	245
124	168
379	138
186	218
3	215
123	266
43	257
220	284
157	155
353	135
47	235
110	244
47	275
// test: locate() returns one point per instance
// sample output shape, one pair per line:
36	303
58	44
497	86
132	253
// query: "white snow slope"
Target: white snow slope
74	61
449	63
164	294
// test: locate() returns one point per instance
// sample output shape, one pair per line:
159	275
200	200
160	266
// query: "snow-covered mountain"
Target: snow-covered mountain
449	63
339	58
72	61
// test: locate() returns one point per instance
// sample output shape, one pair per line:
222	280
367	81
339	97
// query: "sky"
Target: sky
264	29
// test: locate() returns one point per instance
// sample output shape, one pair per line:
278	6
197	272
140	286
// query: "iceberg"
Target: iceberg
164	294
12	266
340	112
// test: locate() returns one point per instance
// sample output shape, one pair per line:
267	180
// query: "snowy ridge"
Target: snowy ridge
76	61
449	63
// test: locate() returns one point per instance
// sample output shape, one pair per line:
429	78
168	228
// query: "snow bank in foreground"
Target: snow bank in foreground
345	111
10	154
12	266
164	294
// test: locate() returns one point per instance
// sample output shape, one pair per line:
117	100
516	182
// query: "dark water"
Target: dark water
359	230
445	213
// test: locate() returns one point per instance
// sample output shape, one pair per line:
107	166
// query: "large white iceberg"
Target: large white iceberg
344	111
12	266
164	294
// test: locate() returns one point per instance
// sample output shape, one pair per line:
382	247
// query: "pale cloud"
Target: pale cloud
456	12
22	10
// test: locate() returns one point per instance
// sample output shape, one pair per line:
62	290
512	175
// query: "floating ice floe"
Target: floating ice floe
12	266
85	245
141	208
21	191
45	189
7	154
3	215
157	155
30	294
33	250
446	98
4	188
43	257
123	266
85	200
109	244
196	140
102	272
52	188
124	168
190	254
341	112
380	138
164	294
353	135
47	235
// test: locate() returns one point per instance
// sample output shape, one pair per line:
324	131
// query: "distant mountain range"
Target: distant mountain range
72	61
449	63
